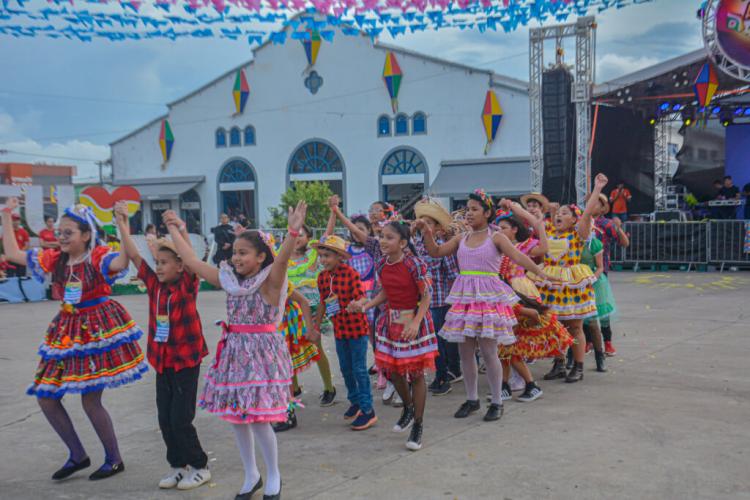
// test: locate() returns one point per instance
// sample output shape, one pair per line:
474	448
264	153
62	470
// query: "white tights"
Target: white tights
246	434
467	353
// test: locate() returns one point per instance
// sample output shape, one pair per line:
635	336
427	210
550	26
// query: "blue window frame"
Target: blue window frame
234	137
384	126
419	123
221	138
403	161
402	124
315	157
249	135
236	171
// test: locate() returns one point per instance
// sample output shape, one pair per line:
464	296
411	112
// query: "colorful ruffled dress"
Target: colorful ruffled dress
573	297
404	282
481	303
546	339
303	352
92	343
303	274
249	379
605	299
364	263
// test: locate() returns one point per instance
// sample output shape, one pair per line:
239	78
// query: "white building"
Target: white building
332	121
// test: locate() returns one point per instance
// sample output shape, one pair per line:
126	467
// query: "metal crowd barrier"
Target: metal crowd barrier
690	244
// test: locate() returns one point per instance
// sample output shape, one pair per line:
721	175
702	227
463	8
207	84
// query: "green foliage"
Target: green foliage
316	195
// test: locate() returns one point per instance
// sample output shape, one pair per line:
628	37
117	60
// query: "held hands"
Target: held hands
600	181
122	216
170	218
296	216
333	202
356	306
411	330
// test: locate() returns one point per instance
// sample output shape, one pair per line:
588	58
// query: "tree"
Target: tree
316	195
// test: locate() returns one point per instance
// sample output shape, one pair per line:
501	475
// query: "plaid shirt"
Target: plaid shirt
185	347
443	271
607	233
346	285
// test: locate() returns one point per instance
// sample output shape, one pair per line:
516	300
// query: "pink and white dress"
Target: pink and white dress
481	303
249	379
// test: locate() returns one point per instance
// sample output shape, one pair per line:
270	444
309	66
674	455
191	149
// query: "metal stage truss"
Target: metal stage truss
584	31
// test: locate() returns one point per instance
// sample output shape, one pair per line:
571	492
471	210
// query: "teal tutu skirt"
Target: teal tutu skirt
605	300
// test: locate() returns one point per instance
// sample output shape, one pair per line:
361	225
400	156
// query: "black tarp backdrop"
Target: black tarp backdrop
624	152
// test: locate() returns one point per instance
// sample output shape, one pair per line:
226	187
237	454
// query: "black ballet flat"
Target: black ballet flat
104	473
249	494
68	470
277	496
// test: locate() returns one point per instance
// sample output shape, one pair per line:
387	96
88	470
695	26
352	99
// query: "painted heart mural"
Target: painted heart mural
102	201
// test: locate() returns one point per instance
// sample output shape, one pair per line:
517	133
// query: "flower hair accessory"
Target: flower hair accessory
84	215
269	240
576	210
502	215
486	199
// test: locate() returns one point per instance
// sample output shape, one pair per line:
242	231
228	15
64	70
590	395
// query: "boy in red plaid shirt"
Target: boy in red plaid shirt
175	349
339	285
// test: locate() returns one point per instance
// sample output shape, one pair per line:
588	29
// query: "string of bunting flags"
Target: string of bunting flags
258	21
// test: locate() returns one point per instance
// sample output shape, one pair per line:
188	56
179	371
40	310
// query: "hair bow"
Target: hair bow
269	240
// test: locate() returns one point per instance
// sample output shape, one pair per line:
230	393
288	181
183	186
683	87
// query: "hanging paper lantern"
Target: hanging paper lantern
166	141
705	85
312	46
240	92
392	76
492	114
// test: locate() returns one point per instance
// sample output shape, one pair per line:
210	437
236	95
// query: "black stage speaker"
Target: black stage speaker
558	121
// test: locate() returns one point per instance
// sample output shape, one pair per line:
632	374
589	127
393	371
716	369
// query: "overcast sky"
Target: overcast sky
67	98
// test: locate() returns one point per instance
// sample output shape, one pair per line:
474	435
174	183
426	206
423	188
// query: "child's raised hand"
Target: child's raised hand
296	216
506	204
422	226
11	204
170	218
333	202
601	181
122	214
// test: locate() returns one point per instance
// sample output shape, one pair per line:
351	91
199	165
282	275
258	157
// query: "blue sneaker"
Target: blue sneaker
364	421
352	412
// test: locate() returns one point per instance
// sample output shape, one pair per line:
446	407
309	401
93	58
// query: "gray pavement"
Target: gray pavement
669	421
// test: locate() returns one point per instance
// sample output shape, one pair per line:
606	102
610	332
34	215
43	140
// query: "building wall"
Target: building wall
344	113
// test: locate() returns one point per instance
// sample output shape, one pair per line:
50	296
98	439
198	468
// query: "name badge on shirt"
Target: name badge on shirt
332	306
73	292
162	328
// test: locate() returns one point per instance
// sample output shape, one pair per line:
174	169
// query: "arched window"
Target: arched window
317	161
419	123
249	135
234	137
221	138
402	124
403	177
237	190
384	126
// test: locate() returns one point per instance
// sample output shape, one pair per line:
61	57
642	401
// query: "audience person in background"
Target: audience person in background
728	191
47	236
224	237
620	197
22	238
746	194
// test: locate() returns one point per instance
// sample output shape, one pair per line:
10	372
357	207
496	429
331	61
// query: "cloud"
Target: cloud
613	65
6	124
81	154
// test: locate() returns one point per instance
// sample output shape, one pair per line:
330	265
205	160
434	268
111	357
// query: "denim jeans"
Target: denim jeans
352	355
447	359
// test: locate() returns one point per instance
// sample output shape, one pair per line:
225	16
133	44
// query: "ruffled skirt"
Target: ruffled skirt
571	299
249	382
303	352
405	357
605	299
547	339
87	350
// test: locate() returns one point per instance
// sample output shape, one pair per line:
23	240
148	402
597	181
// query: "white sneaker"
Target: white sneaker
388	393
194	478
517	383
397	402
171	479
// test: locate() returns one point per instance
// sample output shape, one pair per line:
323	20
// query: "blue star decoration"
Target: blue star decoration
313	82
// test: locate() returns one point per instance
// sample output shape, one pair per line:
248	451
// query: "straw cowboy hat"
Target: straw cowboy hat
603	200
536	197
333	243
430	208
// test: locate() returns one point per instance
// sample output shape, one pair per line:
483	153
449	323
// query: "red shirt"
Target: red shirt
22	238
48	235
399	286
619	199
185	346
346	284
